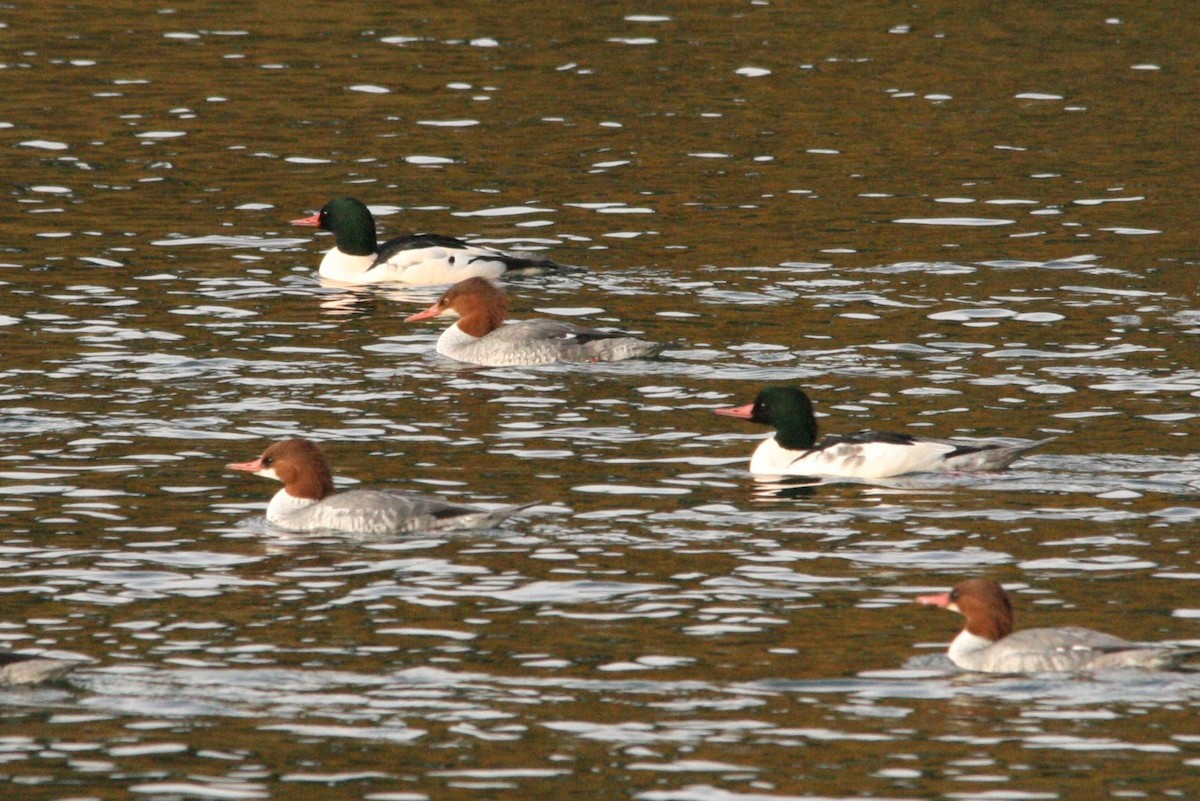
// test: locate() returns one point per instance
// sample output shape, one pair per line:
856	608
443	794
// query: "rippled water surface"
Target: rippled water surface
971	222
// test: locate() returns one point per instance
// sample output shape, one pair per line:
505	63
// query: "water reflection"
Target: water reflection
974	250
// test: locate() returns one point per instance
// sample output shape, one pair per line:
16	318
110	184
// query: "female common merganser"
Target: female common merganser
481	337
18	669
422	259
987	644
307	502
795	451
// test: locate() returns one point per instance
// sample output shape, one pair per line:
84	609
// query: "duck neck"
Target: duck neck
481	322
797	434
358	240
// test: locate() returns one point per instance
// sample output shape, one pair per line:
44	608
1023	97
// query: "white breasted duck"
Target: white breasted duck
423	259
795	450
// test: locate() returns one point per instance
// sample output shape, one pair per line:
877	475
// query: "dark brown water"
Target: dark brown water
940	219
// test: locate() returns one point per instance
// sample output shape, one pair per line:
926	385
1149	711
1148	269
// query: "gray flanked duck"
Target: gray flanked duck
25	669
988	643
308	504
480	335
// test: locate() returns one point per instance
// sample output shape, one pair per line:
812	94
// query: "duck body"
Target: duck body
24	669
482	337
378	513
308	504
422	259
988	644
875	454
795	449
533	342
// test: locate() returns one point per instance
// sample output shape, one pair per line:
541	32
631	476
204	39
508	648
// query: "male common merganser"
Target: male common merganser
795	451
16	669
421	260
307	502
987	642
481	337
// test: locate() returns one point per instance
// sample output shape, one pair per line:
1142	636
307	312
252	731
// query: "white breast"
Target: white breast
282	509
344	268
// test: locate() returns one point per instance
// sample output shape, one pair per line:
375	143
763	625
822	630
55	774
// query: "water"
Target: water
923	216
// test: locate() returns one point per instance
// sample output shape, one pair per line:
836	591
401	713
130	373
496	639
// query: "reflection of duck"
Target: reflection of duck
778	488
987	642
17	669
481	337
423	259
364	299
307	502
795	450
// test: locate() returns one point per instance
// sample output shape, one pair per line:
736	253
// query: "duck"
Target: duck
23	669
480	335
987	643
421	260
795	450
307	503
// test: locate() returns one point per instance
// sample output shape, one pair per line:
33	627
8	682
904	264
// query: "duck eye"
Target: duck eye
954	595
268	461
